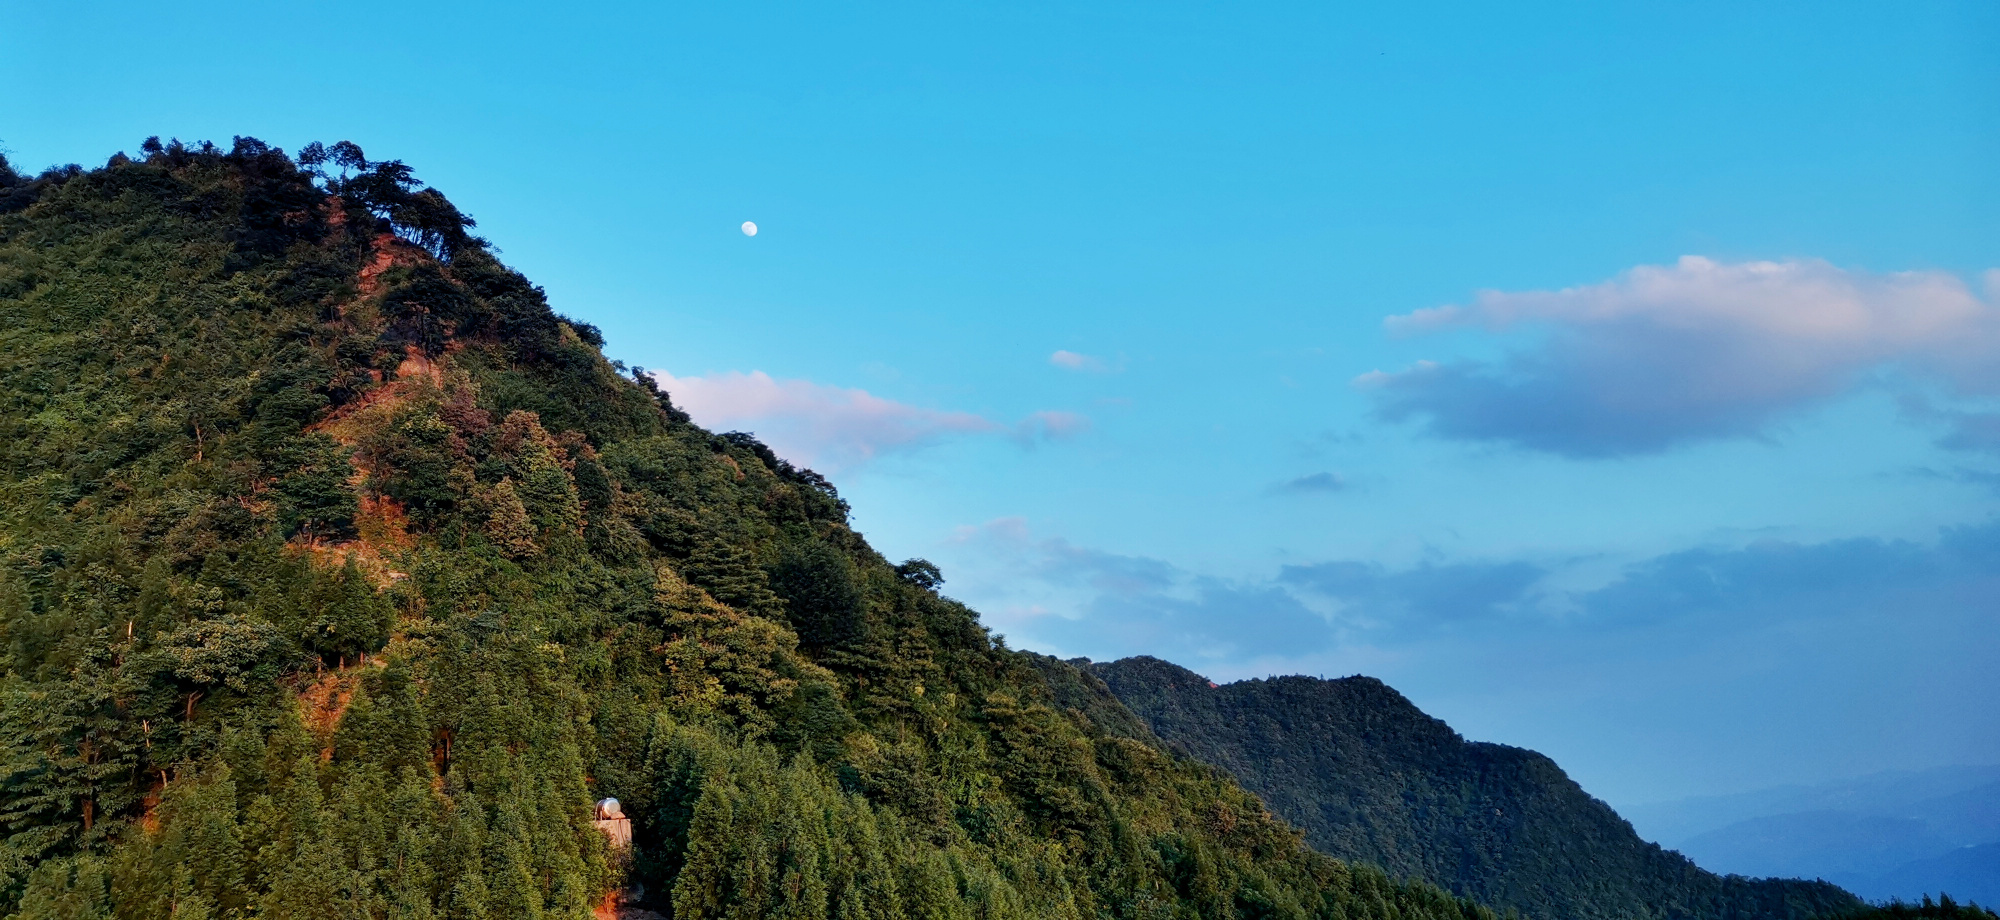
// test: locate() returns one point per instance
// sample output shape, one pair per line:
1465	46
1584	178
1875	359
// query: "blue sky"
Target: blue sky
1616	380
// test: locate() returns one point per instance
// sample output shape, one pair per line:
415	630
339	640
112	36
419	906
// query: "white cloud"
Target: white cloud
1070	360
832	428
1663	355
1077	361
826	427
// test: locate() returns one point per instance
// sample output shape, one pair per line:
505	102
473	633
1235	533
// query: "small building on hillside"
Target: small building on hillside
616	827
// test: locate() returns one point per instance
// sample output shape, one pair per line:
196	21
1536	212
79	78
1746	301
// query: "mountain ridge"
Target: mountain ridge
1373	779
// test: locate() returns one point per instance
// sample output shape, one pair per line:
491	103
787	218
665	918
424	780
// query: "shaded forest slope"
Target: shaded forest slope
1372	779
339	576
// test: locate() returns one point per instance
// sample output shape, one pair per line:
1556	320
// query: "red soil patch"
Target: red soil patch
614	906
382	523
390	251
415	365
149	816
324	701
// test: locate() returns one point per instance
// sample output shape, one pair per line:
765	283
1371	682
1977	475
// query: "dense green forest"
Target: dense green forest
1372	779
339	576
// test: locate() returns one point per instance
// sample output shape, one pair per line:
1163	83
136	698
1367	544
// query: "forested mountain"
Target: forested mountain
1374	780
339	576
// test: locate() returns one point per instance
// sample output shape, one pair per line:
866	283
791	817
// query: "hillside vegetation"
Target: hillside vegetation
1372	779
339	576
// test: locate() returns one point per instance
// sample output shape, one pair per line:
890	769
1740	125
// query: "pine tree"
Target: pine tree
342	616
408	880
730	574
67	889
203	842
506	520
822	601
539	466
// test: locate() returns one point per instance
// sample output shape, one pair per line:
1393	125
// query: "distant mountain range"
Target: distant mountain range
1372	779
1899	834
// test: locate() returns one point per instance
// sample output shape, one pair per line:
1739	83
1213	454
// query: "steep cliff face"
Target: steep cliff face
1372	779
339	577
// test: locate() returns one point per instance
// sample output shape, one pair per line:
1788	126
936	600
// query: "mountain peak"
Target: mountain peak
336	568
1373	779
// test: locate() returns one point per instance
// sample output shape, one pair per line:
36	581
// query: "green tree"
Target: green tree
730	573
821	599
342	615
314	499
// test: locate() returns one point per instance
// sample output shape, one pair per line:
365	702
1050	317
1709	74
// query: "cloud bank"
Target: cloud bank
1666	355
1709	667
1373	597
1054	594
1850	593
1114	601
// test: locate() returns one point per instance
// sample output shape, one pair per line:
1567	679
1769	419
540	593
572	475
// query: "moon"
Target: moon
749	228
